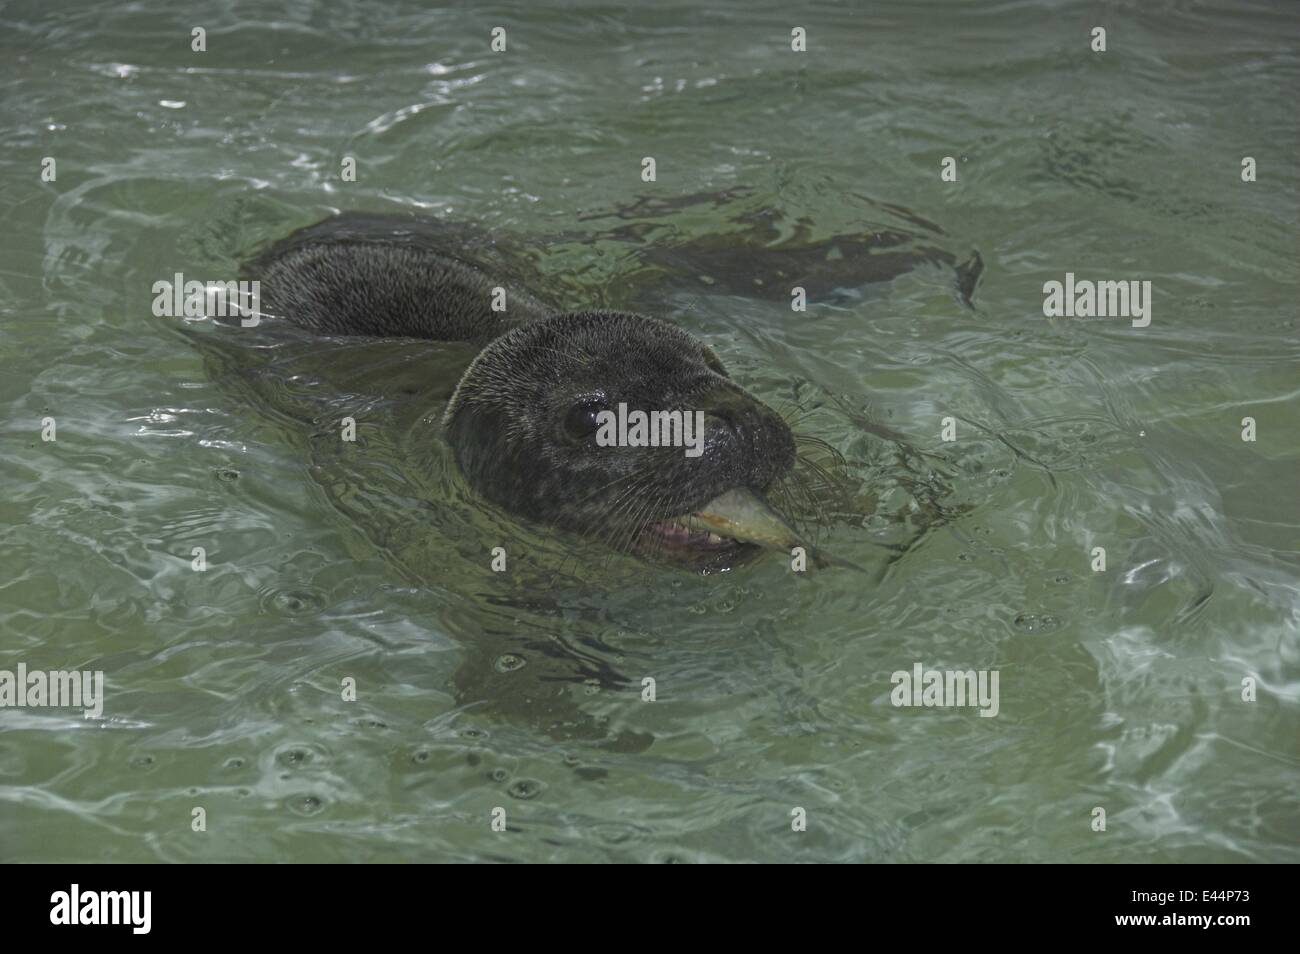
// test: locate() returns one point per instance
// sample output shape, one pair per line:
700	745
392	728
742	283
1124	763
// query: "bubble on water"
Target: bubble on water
472	733
508	662
142	762
420	757
525	788
306	805
295	757
1031	623
498	775
293	601
227	475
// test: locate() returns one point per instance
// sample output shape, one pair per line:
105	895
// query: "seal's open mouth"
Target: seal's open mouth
736	518
675	533
729	529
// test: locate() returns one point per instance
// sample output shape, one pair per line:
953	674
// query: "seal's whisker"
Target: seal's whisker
801	509
624	503
616	480
793	418
807	440
599	531
829	479
630	507
639	521
647	516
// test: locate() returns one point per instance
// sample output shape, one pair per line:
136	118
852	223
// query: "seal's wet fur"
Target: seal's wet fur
510	421
507	422
385	278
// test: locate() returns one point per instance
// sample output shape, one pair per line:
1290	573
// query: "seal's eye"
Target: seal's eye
583	418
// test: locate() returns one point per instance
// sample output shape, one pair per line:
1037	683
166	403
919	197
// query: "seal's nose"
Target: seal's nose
724	424
753	440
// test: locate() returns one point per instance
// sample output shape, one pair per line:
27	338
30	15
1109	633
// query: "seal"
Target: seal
524	417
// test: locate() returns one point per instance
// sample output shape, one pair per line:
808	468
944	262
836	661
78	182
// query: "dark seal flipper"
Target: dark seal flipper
756	250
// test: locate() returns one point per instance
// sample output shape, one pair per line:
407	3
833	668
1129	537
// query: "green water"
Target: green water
1120	689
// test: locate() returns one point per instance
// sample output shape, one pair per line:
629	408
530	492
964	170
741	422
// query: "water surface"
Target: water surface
1119	689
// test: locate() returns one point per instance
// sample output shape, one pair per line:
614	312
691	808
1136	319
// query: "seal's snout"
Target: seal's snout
746	437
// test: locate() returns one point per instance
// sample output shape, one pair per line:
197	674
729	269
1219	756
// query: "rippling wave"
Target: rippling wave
1121	688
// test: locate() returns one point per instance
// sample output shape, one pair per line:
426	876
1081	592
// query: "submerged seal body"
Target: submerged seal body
524	419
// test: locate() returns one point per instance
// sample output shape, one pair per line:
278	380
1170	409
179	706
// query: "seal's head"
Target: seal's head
529	432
